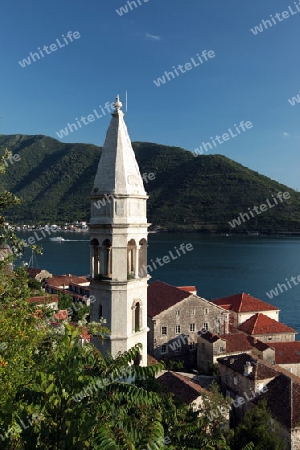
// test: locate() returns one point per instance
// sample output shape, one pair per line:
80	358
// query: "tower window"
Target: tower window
136	316
163	349
192	327
164	330
142	252
137	324
131	257
177	313
192	312
95	258
177	329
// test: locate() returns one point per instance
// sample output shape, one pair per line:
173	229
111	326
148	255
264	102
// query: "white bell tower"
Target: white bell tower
118	239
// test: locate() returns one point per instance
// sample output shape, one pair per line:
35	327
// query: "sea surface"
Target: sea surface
218	265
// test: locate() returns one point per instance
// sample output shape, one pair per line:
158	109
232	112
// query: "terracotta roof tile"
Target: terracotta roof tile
244	303
287	352
32	273
43	299
62	314
188	288
236	342
182	387
261	324
162	296
65	280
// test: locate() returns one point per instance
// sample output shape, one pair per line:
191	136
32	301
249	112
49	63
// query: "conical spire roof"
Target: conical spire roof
118	171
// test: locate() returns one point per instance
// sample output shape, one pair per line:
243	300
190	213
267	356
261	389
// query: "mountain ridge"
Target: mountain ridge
202	193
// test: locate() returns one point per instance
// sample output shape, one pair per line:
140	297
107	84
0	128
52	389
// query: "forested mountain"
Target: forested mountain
54	181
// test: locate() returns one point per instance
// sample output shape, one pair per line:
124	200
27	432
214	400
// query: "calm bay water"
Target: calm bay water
218	265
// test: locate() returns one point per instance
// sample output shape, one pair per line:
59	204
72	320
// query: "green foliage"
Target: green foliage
54	181
174	365
259	427
77	310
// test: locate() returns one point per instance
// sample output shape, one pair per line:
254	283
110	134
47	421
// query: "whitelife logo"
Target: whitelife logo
124	9
274	292
265	24
294	100
86	120
166	259
258	210
225	136
188	66
33	57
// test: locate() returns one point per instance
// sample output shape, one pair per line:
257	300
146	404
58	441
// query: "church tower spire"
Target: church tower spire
118	233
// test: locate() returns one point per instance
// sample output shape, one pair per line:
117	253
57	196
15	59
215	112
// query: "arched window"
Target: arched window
143	258
131	257
95	258
106	246
136	316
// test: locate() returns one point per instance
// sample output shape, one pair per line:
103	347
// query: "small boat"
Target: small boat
57	239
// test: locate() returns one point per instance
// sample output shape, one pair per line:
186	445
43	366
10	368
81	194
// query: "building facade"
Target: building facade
175	318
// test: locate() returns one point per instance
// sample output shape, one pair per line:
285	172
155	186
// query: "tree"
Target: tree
259	427
77	311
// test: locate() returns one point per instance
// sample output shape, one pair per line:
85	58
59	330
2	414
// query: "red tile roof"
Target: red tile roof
65	280
237	342
43	299
85	335
287	352
162	296
244	303
183	388
62	314
32	273
261	324
187	288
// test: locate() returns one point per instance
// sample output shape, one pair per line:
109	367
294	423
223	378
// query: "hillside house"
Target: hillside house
175	316
243	306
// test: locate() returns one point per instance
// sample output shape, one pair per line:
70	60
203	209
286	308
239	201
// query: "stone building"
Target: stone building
243	306
266	329
175	317
244	377
250	380
283	400
118	233
183	389
211	347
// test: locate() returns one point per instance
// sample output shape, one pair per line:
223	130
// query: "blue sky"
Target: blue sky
250	78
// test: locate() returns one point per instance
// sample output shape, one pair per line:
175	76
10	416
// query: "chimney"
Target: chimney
247	369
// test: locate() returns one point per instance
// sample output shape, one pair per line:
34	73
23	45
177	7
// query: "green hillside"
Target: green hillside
55	179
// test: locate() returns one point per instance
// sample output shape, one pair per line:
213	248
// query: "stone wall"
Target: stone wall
193	311
278	337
